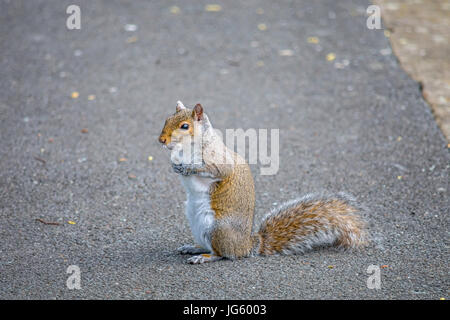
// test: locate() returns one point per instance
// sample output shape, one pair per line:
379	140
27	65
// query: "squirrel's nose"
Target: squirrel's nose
162	139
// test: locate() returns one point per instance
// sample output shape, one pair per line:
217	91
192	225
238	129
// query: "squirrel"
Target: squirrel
221	200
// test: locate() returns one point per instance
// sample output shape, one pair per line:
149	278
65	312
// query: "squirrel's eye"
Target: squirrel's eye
185	126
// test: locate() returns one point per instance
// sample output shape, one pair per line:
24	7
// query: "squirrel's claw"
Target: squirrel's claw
185	170
188	249
202	258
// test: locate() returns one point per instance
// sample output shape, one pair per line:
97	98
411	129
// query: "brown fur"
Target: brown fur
172	126
325	221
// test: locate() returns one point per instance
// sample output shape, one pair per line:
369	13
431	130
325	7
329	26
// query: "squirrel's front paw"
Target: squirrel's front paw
183	169
177	168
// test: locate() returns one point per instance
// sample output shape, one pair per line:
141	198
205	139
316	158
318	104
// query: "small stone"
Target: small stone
130	27
182	51
286	53
386	51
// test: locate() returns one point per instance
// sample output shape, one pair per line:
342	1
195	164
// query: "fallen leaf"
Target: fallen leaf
331	56
314	40
91	97
174	10
84	130
75	95
123	159
132	176
213	8
71	222
132	39
150	158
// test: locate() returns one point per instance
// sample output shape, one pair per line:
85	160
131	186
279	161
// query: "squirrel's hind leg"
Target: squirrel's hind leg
202	258
190	249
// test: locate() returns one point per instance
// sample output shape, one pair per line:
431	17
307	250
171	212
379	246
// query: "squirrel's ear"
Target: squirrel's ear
197	113
180	106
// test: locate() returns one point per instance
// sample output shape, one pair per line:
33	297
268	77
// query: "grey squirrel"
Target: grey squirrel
221	199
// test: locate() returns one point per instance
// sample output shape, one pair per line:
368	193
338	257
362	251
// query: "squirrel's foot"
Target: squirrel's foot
188	249
202	258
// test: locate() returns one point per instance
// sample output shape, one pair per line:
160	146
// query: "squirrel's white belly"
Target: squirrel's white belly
198	208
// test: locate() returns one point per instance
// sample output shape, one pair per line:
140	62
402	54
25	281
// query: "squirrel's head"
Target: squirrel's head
182	124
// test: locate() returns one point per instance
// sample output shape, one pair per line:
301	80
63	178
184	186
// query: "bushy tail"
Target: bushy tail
311	221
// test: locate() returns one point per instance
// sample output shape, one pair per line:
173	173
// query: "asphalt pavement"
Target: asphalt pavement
84	181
